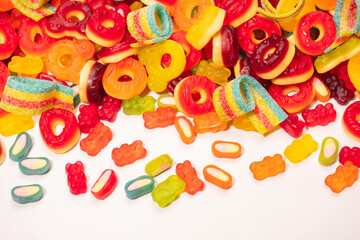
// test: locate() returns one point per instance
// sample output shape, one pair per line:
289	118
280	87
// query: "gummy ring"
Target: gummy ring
272	56
90	84
66	58
106	27
237	12
327	33
127	68
294	103
8	39
184	99
270	12
184	15
247	32
4	74
70	134
350	120
70	19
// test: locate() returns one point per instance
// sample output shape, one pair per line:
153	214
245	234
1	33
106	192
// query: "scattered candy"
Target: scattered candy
34	166
128	154
188	174
105	184
225	149
344	176
21	147
138	105
300	149
217	176
27	193
329	151
162	117
88	117
348	154
185	129
167	191
109	108
268	167
321	115
209	122
76	178
293	126
98	138
158	165
350	120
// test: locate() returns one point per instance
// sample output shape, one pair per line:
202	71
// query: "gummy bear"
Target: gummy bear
218	75
128	154
11	124
209	122
188	174
138	105
344	176
268	167
98	138
109	108
88	117
26	65
76	178
338	89
321	115
167	191
350	154
293	126
243	122
162	117
300	149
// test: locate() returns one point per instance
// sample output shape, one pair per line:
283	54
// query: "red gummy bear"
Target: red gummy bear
109	108
293	126
98	138
128	154
321	115
188	174
350	154
88	117
162	117
76	178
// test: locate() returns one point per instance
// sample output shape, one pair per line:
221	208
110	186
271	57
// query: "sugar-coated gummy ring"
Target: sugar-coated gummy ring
4	74
272	56
70	134
247	36
270	12
90	84
237	12
183	95
225	47
128	68
8	39
297	102
327	32
106	27
351	120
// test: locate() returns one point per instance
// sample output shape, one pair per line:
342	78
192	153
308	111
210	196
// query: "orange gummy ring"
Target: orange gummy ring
125	79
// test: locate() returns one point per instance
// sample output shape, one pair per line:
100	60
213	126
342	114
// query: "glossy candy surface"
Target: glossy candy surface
321	115
76	178
128	154
98	138
188	174
270	166
300	149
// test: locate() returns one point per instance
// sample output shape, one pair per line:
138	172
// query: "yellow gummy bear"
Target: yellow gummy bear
243	122
300	149
218	75
11	124
26	65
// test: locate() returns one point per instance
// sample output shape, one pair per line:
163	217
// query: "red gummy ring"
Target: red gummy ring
327	33
70	134
106	27
4	73
272	56
350	120
184	91
294	103
8	39
247	36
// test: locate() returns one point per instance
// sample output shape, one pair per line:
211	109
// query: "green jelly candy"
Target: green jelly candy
329	151
138	105
158	165
139	186
34	166
21	147
166	100
27	193
167	191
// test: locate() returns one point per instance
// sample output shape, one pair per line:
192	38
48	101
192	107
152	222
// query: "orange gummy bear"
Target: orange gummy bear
162	117
128	154
98	138
344	176
268	167
209	122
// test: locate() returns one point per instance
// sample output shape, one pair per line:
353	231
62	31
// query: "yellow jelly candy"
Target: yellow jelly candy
11	124
26	65
300	149
218	75
243	122
354	71
151	57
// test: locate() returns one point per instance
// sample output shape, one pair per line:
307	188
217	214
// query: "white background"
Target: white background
293	205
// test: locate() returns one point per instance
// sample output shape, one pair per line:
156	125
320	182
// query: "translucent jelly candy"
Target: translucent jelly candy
218	75
338	89
268	167
128	154
350	120
350	154
167	191
225	149
21	147
300	149
138	105
209	122
321	115
98	138
158	165
188	174
329	151
344	176
76	178
217	176
26	194
162	117
185	129
293	126
109	108
105	184
322	92
243	122
88	117
11	124
237	12
139	186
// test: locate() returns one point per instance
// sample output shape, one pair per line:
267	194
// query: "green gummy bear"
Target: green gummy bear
27	193
167	191
158	165
300	149
21	147
138	105
329	151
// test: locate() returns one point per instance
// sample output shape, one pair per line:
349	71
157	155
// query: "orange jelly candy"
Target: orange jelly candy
217	176
209	122
344	176
185	129
225	149
268	167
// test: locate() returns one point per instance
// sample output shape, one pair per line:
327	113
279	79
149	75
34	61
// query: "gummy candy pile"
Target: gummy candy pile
195	66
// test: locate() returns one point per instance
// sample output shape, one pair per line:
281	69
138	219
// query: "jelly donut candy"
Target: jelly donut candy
34	166
27	194
70	134
90	84
9	39
4	74
299	70
350	120
106	27
21	147
105	184
184	15
33	38
184	98
151	57
70	20
272	56
125	79
305	94
253	31
139	186
66	58
149	25
237	12
210	21
324	23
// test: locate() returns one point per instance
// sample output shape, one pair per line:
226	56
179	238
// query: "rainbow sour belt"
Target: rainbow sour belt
263	112
30	96
270	12
35	14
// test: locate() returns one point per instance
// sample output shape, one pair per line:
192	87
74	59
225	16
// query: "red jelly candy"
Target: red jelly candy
321	115
293	126
88	117
76	178
109	108
338	89
98	138
188	174
4	73
350	154
8	39
341	71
